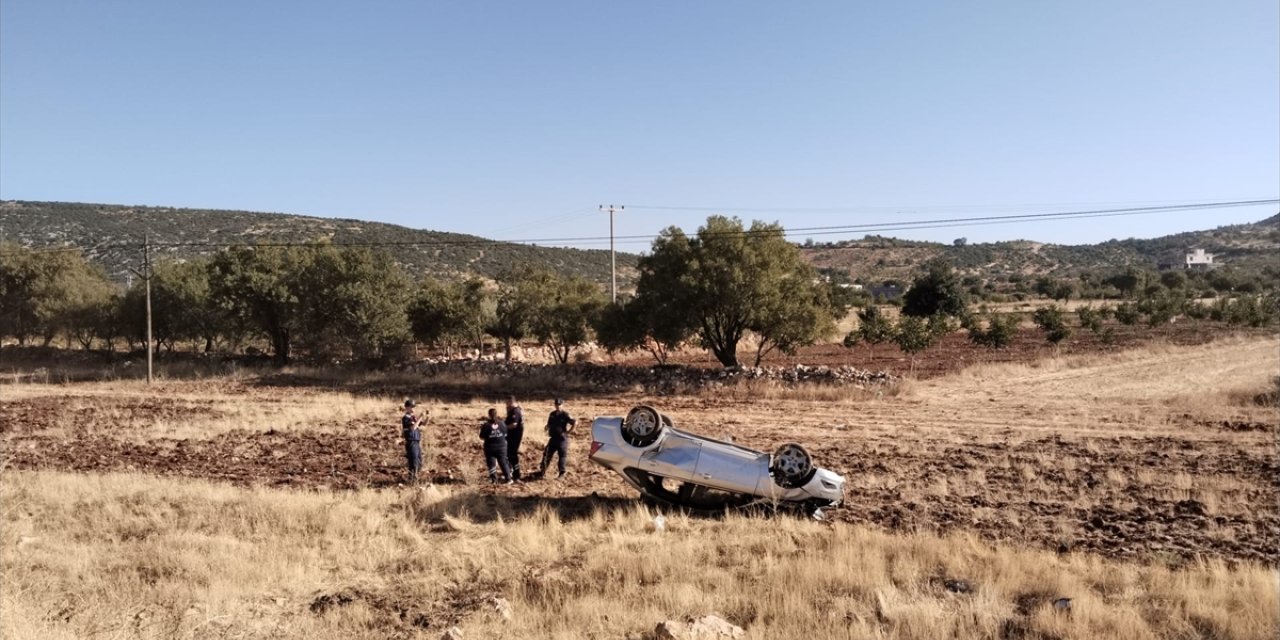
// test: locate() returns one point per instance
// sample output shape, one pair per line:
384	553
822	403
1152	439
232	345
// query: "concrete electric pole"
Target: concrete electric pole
613	256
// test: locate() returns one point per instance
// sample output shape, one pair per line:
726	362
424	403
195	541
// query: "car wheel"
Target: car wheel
792	466
642	426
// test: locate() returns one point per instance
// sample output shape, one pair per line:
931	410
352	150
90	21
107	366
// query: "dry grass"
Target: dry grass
126	556
1206	379
185	409
771	390
1023	455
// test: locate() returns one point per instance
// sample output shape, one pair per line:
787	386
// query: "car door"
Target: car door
676	457
730	468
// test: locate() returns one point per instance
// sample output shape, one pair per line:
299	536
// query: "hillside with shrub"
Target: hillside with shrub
1247	248
111	235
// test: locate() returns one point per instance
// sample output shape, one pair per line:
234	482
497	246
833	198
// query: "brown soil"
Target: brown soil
1015	465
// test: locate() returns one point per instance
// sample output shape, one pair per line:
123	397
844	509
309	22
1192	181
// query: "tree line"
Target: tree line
723	286
329	302
939	301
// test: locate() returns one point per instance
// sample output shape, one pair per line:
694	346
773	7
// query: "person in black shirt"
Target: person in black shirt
409	429
515	434
559	424
494	435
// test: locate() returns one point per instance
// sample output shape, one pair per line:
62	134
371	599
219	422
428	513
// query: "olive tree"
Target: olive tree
729	280
874	327
1051	320
938	290
566	313
47	293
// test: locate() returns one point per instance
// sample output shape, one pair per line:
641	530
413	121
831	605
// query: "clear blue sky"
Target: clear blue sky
516	119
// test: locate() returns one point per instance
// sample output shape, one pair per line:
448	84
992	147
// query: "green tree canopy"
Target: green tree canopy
518	299
938	290
353	301
915	334
450	313
729	280
334	301
999	332
43	293
1052	321
259	285
566	313
183	307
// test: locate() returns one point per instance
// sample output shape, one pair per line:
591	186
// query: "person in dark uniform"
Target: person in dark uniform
559	424
410	429
515	435
494	435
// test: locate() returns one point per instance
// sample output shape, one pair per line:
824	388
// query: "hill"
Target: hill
109	235
1247	247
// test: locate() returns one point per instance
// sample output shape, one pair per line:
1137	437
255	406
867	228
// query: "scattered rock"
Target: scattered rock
327	601
502	607
705	628
665	379
1191	507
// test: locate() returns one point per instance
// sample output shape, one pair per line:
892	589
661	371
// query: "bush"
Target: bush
1051	320
1127	313
999	332
1090	318
913	336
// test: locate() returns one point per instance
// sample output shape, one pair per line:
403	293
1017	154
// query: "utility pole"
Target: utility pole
145	274
613	256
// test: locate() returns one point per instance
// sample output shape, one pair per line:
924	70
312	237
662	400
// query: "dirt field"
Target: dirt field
1155	453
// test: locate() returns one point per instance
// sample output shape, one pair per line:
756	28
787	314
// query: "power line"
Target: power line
901	208
825	230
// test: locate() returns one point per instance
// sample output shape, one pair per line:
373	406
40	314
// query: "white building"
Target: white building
1198	259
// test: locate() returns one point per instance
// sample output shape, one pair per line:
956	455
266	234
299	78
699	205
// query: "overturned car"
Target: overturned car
683	469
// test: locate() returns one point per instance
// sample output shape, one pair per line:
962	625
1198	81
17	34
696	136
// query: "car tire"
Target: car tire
792	466
643	425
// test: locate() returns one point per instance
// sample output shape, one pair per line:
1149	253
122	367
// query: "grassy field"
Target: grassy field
133	556
1142	485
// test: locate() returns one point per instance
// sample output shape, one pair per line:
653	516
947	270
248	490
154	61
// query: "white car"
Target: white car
679	468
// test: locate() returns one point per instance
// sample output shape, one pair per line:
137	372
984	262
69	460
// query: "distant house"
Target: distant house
1198	260
886	292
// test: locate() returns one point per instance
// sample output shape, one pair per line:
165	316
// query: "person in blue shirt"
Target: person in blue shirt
493	433
410	429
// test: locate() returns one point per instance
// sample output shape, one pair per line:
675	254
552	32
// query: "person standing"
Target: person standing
410	429
515	435
559	424
494	435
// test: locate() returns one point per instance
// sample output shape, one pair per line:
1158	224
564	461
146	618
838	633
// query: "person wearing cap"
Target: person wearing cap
559	424
494	435
410	429
515	435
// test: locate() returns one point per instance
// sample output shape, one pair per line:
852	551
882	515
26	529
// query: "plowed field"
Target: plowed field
1153	452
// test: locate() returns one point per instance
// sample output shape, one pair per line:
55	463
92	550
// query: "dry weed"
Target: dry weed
127	556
